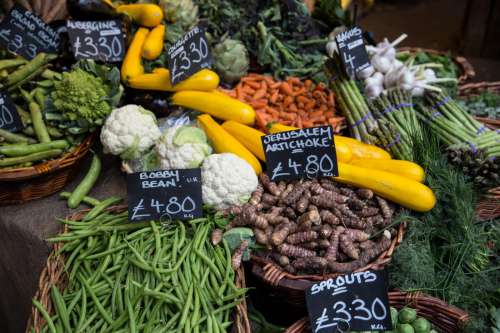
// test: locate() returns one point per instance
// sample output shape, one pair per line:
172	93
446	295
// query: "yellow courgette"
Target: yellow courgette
223	142
403	168
343	151
247	136
401	190
222	107
132	65
146	14
204	80
153	45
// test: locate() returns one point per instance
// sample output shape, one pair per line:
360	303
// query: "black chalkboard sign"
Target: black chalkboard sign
164	195
9	118
304	153
352	302
98	40
24	33
188	55
352	50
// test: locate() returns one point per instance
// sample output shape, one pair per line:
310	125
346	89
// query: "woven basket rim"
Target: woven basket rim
467	70
276	276
66	160
414	299
56	263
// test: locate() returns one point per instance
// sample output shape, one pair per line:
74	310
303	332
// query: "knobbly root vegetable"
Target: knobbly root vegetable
238	255
86	184
344	235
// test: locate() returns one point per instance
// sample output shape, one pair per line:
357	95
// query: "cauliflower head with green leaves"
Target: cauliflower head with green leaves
227	180
182	147
129	131
81	95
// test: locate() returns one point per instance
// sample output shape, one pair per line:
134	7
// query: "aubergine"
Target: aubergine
91	10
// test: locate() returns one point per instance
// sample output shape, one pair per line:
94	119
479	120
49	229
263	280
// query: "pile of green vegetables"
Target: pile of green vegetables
281	36
57	110
142	277
486	105
406	320
447	252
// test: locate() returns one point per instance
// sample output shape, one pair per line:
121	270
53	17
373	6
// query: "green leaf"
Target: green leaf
235	236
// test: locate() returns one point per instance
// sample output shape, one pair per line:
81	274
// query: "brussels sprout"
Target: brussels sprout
407	315
394	316
421	325
405	328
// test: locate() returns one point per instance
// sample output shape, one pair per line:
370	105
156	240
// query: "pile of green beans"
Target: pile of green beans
143	277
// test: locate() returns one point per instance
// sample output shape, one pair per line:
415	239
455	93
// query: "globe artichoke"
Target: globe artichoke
230	60
183	11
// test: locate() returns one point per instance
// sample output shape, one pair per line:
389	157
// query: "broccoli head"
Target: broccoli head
80	95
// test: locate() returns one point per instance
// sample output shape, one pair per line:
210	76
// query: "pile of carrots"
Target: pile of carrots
291	102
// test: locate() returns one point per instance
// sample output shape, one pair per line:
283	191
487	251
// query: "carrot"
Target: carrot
286	89
248	90
310	105
249	79
320	86
308	83
273	112
259	94
307	123
274	96
288	122
288	116
331	100
239	92
292	107
263	85
302	99
259	104
315	114
288	100
260	118
300	105
269	80
294	80
300	91
253	84
275	85
300	123
329	114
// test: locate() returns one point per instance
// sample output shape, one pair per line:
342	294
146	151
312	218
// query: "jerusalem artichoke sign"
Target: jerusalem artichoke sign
352	302
164	195
303	153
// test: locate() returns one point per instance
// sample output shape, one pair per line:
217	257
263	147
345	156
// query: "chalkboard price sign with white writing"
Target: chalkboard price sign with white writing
9	118
24	33
189	55
98	40
164	195
303	153
352	302
352	51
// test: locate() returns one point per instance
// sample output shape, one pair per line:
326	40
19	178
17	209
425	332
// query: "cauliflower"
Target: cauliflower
182	147
227	180
129	131
81	95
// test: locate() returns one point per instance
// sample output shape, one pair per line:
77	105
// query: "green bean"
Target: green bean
45	316
60	307
88	322
7	63
209	263
38	124
48	154
98	209
15	138
23	149
131	315
86	184
29	68
82	312
98	304
54	132
187	305
74	300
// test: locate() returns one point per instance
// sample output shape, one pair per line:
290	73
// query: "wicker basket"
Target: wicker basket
290	288
466	70
54	274
20	185
446	318
474	89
